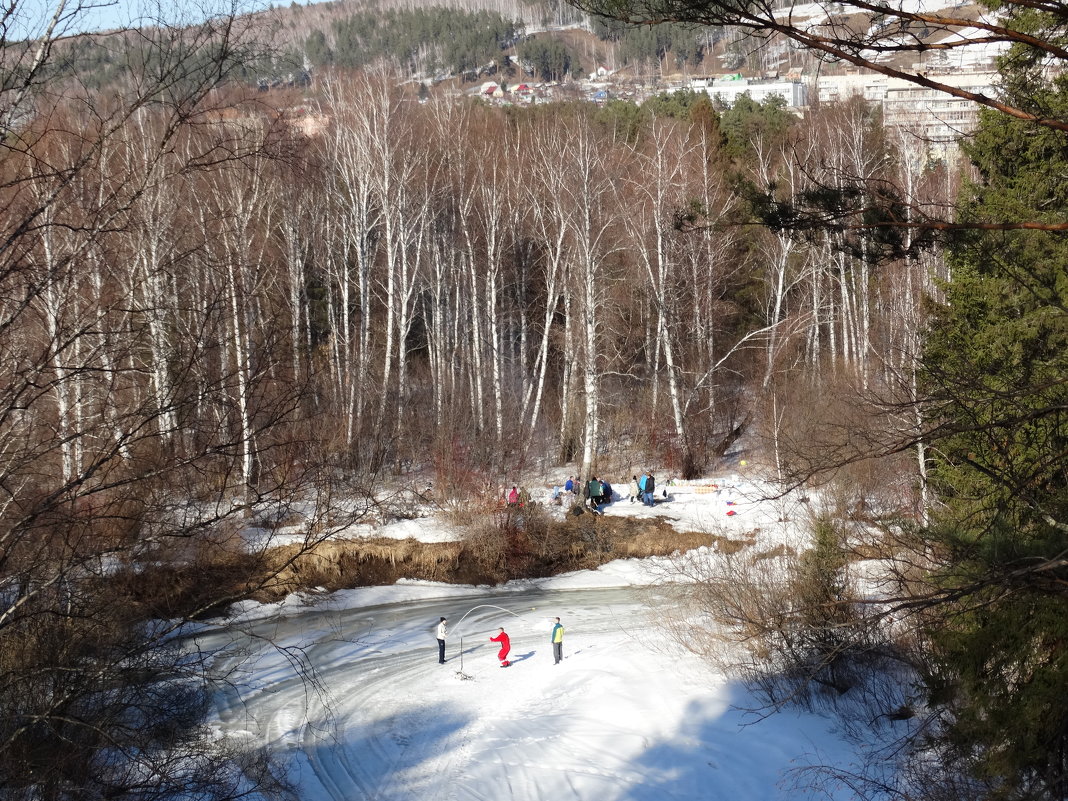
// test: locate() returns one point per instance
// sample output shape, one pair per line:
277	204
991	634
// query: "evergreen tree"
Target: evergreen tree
996	368
674	104
747	121
317	50
550	58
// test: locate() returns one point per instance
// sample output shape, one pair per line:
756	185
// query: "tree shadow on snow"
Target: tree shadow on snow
381	757
722	751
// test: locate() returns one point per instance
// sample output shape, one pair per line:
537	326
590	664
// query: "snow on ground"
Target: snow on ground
347	689
626	715
733	505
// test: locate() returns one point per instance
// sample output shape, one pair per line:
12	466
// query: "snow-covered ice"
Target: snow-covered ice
348	691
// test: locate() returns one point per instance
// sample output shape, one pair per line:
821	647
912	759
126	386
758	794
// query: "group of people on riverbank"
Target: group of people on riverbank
599	491
596	492
556	639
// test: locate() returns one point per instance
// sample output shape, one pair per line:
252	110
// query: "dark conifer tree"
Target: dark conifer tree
996	367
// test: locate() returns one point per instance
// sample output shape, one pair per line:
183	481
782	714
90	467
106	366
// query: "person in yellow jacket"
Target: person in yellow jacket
557	639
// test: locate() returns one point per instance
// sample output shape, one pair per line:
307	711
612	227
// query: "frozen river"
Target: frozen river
351	693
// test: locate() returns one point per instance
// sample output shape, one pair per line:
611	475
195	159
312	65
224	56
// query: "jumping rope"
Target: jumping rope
460	672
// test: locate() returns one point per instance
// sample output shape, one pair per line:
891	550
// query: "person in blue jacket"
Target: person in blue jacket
650	487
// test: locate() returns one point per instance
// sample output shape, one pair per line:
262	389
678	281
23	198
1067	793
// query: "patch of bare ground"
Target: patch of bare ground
498	546
776	552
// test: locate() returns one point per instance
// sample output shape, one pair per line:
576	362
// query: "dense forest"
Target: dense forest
439	42
432	41
548	280
429	42
686	44
210	315
222	308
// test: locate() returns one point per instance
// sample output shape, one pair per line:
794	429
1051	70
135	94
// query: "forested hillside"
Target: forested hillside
431	41
224	310
214	318
418	39
562	280
426	42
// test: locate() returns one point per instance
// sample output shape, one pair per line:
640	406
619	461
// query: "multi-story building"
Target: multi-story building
727	90
933	116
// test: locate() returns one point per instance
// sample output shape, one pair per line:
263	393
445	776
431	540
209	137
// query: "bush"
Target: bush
786	623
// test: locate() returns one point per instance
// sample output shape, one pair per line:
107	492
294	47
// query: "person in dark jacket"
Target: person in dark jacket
650	488
593	492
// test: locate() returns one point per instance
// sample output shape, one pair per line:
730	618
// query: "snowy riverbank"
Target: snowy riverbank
347	687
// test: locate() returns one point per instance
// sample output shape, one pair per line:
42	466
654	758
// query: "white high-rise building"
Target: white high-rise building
728	90
933	116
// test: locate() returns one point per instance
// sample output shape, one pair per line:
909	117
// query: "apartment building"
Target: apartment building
729	89
937	118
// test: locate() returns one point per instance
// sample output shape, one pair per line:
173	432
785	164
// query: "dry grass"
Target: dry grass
778	551
499	545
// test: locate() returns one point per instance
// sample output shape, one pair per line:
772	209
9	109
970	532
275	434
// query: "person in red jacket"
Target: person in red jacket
506	646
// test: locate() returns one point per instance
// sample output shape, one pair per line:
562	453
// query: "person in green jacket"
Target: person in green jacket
593	492
557	639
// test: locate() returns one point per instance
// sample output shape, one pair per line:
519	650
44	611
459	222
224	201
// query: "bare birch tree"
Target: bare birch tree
108	520
660	187
592	218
